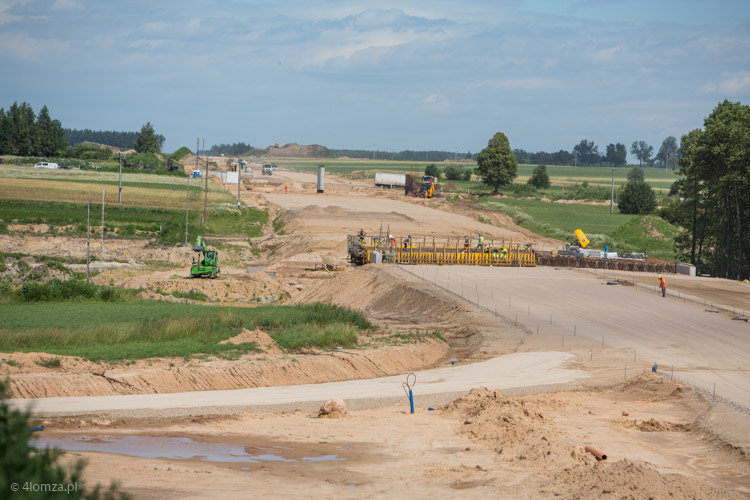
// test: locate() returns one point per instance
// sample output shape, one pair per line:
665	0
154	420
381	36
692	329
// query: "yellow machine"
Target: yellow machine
581	238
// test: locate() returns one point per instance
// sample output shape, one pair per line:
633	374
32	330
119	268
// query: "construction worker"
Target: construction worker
391	241
361	235
480	244
286	188
407	241
504	253
466	243
663	286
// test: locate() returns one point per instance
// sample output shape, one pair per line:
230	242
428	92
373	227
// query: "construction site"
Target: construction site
503	363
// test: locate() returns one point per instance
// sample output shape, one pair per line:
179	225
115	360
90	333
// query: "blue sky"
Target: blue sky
386	75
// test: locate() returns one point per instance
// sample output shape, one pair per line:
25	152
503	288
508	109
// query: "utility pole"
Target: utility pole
187	199
239	179
205	197
88	242
612	199
101	252
119	193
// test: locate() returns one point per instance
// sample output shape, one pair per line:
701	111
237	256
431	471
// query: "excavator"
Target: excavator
207	263
427	189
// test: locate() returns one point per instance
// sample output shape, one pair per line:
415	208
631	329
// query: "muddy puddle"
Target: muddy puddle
179	448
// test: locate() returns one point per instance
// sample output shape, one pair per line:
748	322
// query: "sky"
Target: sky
385	75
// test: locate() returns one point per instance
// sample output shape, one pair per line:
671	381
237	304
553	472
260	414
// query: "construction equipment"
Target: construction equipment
268	169
581	238
207	263
427	189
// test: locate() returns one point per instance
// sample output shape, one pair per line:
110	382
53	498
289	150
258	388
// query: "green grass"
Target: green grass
143	329
622	233
167	226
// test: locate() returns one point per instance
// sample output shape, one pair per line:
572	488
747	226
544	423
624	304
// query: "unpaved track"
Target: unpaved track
347	214
514	370
705	348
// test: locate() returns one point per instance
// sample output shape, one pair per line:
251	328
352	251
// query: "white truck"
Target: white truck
390	180
44	164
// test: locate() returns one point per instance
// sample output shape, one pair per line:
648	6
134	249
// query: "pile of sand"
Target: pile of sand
257	337
516	428
625	479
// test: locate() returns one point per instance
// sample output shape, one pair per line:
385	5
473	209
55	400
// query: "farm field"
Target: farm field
151	204
620	232
559	175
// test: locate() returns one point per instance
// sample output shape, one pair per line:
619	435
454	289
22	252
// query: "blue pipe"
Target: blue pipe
411	400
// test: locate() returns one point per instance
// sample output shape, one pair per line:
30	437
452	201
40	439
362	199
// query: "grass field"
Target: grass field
622	233
116	331
153	206
559	175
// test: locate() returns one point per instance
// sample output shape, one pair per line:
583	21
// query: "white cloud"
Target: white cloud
67	5
729	84
155	27
531	83
20	46
5	17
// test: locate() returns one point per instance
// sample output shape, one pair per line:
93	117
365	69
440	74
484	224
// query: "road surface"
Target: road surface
704	347
513	370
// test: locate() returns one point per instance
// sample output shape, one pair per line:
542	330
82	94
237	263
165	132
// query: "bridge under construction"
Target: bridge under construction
455	251
452	251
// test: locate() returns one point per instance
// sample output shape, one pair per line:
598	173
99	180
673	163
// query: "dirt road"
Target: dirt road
704	347
514	370
323	214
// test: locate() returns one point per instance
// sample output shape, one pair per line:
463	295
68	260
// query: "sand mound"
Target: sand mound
653	425
517	428
257	337
629	480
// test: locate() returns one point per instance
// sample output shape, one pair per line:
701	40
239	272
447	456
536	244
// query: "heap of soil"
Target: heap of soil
517	428
257	337
294	150
627	479
21	269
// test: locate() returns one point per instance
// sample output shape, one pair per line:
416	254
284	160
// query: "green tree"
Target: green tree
432	170
642	151
147	141
668	152
21	463
454	172
587	153
637	198
715	190
496	164
50	133
467	174
539	177
636	174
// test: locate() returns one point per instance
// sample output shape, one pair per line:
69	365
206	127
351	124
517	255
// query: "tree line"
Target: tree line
587	154
713	202
24	133
121	140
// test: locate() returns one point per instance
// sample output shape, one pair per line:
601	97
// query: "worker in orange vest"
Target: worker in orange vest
663	286
286	188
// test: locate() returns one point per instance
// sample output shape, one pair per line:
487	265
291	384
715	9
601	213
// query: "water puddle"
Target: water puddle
175	448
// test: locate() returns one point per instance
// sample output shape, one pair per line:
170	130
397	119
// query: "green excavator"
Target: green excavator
207	263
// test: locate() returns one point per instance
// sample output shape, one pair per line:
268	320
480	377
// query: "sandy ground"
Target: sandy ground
565	390
485	445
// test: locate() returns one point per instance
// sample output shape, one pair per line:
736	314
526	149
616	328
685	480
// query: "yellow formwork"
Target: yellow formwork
451	252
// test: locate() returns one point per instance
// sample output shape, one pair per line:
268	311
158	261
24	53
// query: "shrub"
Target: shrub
636	174
453	172
539	177
637	198
467	174
432	170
